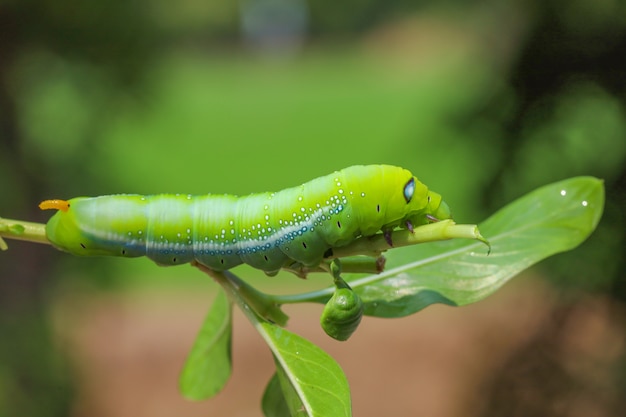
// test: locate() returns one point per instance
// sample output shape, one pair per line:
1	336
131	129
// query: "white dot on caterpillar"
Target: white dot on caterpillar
267	217
340	191
299	198
362	194
231	222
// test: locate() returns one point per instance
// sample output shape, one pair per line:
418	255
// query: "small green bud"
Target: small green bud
342	314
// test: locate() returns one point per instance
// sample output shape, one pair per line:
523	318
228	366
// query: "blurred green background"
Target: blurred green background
482	100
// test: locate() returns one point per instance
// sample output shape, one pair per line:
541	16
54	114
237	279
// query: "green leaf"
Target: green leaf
208	365
552	219
312	383
274	403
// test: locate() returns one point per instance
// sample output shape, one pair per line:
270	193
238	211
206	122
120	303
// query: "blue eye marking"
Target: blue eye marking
409	189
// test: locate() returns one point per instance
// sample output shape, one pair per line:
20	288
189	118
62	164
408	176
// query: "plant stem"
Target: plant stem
353	264
21	230
443	230
262	304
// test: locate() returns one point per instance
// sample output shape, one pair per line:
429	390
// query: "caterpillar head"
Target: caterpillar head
422	205
394	197
437	209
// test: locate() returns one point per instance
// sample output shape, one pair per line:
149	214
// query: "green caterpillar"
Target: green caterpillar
269	231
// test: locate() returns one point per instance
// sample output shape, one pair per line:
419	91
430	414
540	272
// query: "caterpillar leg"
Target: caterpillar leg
387	235
300	270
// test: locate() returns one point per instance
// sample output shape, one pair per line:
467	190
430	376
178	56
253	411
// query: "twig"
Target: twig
21	230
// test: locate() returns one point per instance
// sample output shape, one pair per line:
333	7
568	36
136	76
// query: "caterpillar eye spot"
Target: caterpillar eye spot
174	260
222	261
378	208
339	225
304	244
265	257
123	251
409	189
82	245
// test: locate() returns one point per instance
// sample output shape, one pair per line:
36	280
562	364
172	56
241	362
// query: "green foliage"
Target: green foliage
208	366
311	381
273	403
551	219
